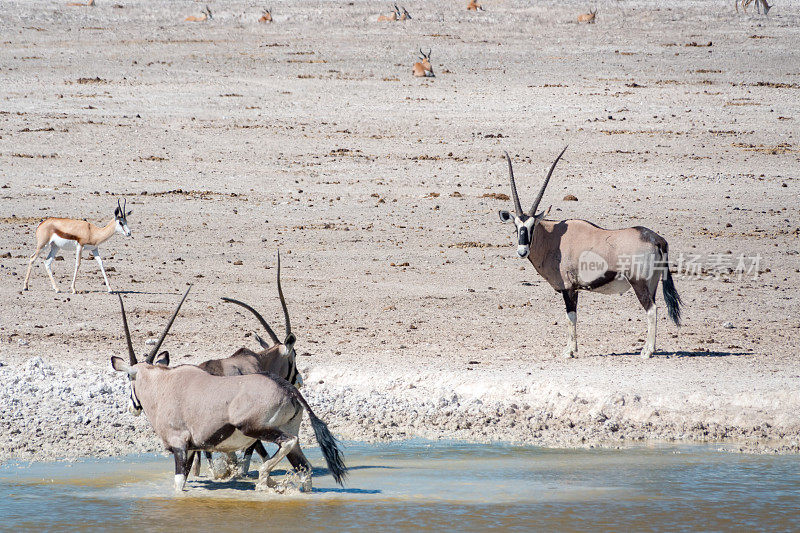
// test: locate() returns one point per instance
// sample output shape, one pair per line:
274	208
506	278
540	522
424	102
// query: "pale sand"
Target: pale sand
310	134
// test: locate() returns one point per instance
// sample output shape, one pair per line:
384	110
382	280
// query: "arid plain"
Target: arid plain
415	317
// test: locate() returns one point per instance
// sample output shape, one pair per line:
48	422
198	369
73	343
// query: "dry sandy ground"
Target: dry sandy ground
414	315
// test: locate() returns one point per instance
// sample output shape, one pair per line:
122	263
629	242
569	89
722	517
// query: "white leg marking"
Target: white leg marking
78	250
269	464
47	261
572	336
650	343
103	270
180	482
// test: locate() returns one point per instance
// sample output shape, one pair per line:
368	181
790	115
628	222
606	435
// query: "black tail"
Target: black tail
671	297
327	442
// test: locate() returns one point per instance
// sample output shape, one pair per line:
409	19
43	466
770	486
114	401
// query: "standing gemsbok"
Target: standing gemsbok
279	358
192	410
69	234
576	255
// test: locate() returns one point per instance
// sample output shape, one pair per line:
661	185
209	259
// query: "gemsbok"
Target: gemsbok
279	358
192	410
68	233
205	15
266	16
589	17
474	6
576	255
423	68
390	18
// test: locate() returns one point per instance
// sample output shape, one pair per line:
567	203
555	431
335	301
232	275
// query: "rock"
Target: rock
23	342
570	198
151	342
728	325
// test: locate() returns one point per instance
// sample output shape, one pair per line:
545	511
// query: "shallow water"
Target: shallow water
424	485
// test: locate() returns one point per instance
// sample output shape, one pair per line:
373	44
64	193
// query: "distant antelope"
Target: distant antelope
576	255
67	233
90	3
191	410
474	6
423	69
405	15
390	18
589	17
266	16
206	14
280	359
759	4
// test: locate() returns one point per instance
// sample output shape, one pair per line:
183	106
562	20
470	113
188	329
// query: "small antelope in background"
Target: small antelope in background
390	18
405	15
576	255
206	14
589	17
191	411
423	68
759	4
279	359
68	233
90	3
474	6
266	16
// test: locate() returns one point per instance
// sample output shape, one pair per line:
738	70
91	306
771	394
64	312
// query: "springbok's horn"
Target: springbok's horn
517	205
429	53
283	300
544	185
118	205
421	52
131	354
154	351
258	316
124	206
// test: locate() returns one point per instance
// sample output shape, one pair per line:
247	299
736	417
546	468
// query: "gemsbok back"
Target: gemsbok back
576	255
71	234
279	358
192	410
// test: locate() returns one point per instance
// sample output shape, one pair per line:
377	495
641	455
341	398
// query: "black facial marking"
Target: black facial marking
524	240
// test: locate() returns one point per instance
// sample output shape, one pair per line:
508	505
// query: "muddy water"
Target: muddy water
421	485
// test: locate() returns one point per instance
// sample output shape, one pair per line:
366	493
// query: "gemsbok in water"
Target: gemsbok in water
78	235
576	255
192	410
279	358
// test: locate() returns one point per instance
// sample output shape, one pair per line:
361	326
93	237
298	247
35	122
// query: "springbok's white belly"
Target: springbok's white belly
60	242
235	442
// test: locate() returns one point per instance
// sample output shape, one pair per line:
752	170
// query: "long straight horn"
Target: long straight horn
517	205
283	300
154	351
258	316
544	185
131	354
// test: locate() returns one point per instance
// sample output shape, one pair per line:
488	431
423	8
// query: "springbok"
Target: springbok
266	16
423	68
589	17
67	233
759	4
474	6
279	359
192	410
405	15
390	18
90	3
576	255
206	14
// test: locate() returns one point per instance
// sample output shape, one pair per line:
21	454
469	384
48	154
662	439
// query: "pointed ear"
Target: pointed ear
505	216
290	340
119	365
117	212
162	358
543	214
262	342
129	213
